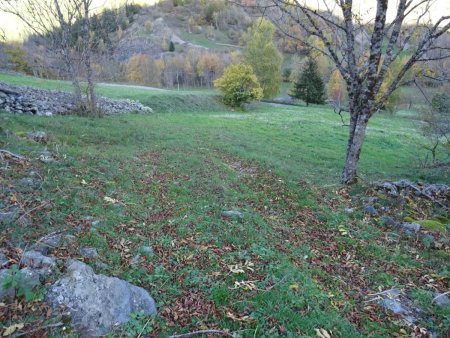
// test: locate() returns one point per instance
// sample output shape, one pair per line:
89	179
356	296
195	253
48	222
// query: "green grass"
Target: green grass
174	174
219	44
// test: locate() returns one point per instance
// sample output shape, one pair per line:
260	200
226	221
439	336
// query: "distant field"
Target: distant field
286	268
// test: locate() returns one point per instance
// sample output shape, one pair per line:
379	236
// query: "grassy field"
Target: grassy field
286	268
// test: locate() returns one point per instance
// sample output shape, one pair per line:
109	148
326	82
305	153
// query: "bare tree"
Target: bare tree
55	22
363	50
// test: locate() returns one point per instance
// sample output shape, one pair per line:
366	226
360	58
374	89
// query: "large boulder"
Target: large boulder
97	303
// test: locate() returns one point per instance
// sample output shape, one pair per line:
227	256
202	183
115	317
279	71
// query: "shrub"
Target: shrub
239	85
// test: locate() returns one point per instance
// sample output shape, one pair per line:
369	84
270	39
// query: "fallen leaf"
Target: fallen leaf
321	333
110	200
13	328
294	287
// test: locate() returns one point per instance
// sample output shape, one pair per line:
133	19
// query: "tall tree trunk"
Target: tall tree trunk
86	52
358	125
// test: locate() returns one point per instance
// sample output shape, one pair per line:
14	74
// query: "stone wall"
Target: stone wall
32	101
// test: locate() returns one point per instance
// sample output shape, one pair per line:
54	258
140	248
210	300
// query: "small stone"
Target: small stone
46	157
35	259
390	188
5	293
399	304
28	184
135	260
4	261
410	228
233	213
38	136
7	217
47	244
403	184
349	210
101	265
370	210
147	250
89	252
32	277
388	221
442	300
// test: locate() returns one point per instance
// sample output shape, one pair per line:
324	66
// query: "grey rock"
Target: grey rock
390	188
8	217
4	261
46	156
28	184
38	136
89	252
135	260
349	210
233	213
32	277
442	300
370	210
47	244
146	250
97	303
403	184
101	265
410	228
35	259
388	221
5	293
393	300
433	189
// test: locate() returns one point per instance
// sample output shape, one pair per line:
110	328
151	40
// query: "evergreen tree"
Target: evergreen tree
171	47
309	87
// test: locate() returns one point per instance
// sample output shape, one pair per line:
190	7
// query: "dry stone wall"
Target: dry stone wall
32	101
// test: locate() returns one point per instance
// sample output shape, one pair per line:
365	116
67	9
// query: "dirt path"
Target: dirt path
128	86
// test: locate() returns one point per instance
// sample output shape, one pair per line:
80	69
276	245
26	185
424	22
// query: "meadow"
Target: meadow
285	268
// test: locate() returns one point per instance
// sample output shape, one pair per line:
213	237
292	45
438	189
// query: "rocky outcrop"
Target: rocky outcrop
32	101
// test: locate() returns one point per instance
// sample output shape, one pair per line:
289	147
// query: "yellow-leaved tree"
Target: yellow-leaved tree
263	55
142	69
239	85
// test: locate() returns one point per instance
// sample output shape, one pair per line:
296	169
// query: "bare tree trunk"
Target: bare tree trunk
90	94
358	125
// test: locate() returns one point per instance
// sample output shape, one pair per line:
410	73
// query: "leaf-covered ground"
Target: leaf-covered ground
296	263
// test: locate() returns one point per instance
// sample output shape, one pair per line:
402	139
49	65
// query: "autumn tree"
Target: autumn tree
309	86
239	85
363	49
142	69
262	54
336	89
209	67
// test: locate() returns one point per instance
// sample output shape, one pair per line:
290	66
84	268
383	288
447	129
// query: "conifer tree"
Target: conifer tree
309	86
